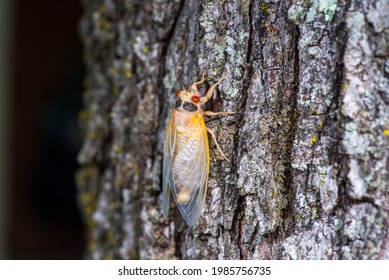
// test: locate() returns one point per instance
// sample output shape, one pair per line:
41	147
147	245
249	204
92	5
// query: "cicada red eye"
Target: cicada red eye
178	93
196	99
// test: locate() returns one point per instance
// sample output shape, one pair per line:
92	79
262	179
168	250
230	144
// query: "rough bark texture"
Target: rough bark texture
309	171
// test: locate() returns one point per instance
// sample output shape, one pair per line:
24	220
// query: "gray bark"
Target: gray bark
309	170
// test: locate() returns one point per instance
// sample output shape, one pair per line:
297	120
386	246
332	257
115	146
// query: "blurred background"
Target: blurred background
41	76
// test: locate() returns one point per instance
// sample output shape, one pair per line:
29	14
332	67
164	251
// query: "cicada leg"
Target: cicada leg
211	114
217	144
194	85
210	91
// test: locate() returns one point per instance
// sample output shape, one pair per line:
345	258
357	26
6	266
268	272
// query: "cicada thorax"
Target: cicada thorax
187	106
190	107
188	100
178	104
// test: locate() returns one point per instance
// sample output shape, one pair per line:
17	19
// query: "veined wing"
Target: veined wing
168	154
189	170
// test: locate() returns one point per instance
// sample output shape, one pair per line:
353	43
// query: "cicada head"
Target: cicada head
188	100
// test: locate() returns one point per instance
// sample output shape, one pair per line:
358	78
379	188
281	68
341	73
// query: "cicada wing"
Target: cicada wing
190	170
168	153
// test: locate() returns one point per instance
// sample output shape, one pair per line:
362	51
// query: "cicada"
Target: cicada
186	153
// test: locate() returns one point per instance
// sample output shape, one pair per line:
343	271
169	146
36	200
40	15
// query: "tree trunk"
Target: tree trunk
309	170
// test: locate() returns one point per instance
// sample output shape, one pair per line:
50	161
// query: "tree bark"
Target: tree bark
309	170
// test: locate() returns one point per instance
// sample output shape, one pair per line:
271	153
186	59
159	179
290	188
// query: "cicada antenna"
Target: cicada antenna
182	84
180	79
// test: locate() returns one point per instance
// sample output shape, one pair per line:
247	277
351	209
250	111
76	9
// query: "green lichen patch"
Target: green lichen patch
328	7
